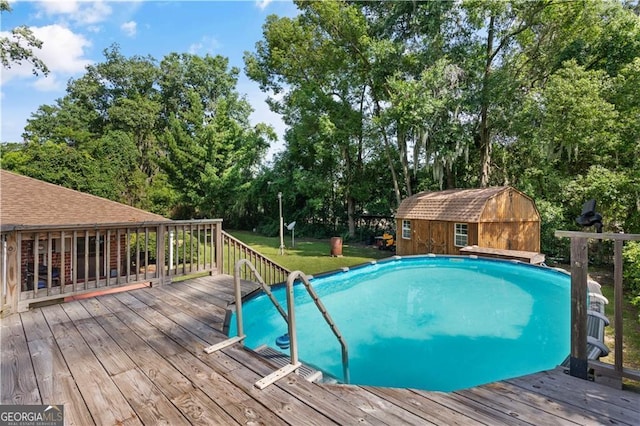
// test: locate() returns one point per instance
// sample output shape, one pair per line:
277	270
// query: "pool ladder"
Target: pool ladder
289	317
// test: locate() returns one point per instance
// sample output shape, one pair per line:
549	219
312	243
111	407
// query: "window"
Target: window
406	229
462	235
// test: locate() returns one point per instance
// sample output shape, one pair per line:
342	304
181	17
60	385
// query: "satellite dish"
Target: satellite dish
291	225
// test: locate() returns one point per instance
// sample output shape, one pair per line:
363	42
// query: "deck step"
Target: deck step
280	360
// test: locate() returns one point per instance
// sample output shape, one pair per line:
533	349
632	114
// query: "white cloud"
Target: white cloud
79	12
205	45
129	28
51	83
62	51
262	4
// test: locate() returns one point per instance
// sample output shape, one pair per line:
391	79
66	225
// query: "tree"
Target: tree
212	151
324	99
19	47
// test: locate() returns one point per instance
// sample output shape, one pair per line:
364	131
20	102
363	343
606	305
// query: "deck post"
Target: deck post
13	270
578	364
161	254
219	248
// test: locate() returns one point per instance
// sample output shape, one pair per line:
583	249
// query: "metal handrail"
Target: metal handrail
281	372
289	317
334	328
238	293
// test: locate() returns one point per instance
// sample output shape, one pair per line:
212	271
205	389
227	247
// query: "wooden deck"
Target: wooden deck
137	358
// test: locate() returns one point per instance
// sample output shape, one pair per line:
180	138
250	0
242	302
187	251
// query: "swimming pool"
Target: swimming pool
435	323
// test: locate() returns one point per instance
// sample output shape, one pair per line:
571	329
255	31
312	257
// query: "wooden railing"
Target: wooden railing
578	363
40	264
45	263
235	250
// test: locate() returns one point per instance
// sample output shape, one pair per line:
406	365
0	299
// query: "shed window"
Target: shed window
406	229
462	235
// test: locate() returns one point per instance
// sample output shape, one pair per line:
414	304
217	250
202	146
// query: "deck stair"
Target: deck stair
280	360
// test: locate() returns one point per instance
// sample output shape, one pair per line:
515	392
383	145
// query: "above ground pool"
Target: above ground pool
436	323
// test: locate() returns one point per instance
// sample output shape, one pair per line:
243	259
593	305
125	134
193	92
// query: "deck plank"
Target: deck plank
234	401
102	396
382	408
137	358
426	409
55	381
195	334
113	359
284	405
311	394
18	384
151	363
540	405
165	374
151	405
195	304
200	409
605	403
585	388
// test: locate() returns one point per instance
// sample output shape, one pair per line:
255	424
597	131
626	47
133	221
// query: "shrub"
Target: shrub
631	268
552	219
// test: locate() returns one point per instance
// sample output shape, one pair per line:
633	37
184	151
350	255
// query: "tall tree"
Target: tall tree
212	151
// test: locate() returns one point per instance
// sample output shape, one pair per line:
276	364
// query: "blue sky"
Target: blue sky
75	33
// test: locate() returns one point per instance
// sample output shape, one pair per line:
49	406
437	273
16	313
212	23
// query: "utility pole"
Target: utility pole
281	224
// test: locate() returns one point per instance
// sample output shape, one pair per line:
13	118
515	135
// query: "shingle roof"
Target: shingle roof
450	205
26	201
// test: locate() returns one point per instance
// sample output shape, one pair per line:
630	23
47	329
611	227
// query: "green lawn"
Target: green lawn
631	328
309	256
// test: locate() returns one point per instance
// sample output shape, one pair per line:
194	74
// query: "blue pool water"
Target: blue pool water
435	323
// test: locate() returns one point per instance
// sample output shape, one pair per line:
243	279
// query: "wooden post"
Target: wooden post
13	269
219	248
617	296
160	254
578	363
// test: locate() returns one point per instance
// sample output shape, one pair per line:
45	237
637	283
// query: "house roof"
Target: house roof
25	201
452	205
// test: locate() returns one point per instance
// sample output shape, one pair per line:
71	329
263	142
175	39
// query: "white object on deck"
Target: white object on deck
277	375
223	344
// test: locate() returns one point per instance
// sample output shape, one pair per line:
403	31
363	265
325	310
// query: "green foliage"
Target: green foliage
185	247
631	268
381	100
615	192
19	46
553	218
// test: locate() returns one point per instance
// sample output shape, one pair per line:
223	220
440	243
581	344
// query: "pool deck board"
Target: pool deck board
137	357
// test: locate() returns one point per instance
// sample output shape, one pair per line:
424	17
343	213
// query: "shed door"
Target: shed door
437	242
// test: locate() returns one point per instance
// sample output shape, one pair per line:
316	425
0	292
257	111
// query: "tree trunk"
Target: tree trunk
404	160
351	211
485	133
392	170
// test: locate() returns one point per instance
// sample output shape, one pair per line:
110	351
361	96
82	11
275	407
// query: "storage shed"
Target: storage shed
443	222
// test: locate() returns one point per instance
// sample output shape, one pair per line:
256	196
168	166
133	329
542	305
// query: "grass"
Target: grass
310	256
630	327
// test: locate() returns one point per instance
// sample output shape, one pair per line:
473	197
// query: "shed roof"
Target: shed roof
25	201
452	205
